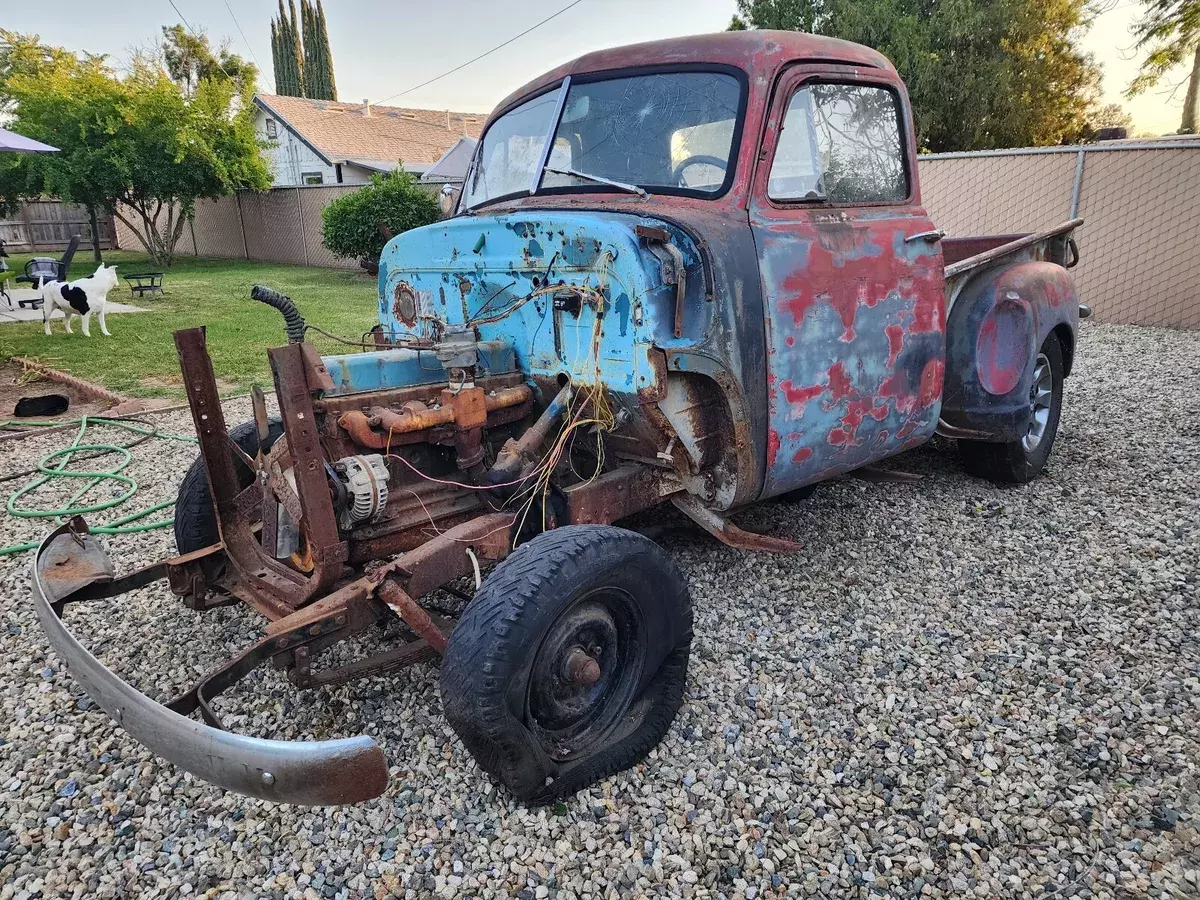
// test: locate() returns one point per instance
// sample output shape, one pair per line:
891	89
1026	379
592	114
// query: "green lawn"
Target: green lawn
139	359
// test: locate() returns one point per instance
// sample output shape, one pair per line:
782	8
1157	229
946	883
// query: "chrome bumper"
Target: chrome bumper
318	773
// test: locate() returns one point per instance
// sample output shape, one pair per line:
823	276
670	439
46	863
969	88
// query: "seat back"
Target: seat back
65	262
43	267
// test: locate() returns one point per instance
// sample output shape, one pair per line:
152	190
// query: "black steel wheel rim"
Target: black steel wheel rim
568	714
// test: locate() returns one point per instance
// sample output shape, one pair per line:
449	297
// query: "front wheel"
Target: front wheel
569	665
1023	460
195	518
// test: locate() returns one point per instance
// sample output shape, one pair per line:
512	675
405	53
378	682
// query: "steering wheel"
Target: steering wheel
700	159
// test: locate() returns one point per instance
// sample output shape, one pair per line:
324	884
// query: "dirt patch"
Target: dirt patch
15	384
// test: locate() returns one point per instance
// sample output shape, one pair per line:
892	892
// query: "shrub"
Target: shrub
357	225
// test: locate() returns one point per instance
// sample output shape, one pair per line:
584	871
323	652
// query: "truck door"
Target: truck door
851	276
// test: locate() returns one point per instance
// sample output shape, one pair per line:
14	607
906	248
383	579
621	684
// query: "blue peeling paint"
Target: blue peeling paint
355	373
517	267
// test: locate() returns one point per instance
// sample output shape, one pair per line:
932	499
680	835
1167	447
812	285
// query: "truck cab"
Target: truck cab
739	217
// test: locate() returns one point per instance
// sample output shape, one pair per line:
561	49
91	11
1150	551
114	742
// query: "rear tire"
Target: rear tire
1023	460
195	518
515	681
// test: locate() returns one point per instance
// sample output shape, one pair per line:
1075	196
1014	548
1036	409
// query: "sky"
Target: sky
384	47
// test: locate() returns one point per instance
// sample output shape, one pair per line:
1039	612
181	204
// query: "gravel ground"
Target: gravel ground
956	690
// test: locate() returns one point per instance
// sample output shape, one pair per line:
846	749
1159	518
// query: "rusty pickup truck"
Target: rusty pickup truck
697	272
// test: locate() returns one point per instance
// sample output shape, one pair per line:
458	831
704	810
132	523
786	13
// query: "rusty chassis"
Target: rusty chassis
306	611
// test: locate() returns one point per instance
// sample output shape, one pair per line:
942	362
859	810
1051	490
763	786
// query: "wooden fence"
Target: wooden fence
50	224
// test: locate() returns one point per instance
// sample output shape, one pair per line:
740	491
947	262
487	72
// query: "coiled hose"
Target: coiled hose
291	316
47	472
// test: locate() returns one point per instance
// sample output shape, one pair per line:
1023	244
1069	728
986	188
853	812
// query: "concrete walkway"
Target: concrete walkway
14	313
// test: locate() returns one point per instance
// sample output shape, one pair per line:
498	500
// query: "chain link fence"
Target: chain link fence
280	225
1140	202
1140	244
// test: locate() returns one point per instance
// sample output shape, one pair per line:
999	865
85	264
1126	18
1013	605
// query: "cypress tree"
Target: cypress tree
283	51
275	55
326	54
300	54
297	52
312	62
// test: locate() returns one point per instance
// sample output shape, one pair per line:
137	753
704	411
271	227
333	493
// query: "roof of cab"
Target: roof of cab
749	50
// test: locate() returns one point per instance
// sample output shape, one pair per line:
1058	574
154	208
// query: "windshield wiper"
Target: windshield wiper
599	179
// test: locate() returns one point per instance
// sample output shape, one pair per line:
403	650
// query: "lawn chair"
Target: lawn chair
41	269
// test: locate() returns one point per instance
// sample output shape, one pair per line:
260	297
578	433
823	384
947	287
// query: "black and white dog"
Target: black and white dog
80	297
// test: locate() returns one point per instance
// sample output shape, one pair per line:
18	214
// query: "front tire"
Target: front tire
195	518
570	663
1020	461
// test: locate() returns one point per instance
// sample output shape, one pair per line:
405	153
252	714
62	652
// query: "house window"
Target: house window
312	178
272	132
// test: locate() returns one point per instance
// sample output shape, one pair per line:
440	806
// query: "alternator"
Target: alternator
366	481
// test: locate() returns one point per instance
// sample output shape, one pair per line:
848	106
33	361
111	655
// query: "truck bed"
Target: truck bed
966	254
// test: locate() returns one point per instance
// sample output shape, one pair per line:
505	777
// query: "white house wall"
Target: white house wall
289	157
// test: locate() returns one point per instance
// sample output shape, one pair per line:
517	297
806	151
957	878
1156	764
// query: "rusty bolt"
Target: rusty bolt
581	668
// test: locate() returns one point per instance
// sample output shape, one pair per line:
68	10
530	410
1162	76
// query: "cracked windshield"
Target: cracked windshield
662	131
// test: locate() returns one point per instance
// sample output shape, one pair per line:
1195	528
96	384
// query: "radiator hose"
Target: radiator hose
291	316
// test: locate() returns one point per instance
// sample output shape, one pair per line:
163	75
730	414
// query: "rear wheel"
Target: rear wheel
195	518
569	665
1023	460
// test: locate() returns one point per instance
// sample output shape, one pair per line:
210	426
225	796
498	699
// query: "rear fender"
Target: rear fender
997	322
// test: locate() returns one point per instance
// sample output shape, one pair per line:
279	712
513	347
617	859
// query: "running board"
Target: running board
728	533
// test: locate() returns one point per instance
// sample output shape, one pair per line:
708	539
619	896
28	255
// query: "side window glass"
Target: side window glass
840	143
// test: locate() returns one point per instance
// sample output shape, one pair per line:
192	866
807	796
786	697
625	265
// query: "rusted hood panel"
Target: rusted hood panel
576	293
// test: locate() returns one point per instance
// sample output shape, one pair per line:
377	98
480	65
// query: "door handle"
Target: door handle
931	237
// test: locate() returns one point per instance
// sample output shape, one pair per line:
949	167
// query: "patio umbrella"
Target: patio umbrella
17	143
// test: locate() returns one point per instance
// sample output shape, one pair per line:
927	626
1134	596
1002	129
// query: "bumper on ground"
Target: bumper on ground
317	773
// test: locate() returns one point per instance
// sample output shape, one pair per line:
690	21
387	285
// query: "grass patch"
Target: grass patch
139	359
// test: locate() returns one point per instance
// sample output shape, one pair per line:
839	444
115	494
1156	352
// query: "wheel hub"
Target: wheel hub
582	668
585	673
1041	397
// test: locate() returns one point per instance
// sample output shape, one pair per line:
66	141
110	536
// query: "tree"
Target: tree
1112	115
1171	31
189	59
137	146
300	51
326	54
287	52
982	74
357	225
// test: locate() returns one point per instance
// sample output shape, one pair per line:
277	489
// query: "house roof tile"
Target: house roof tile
342	132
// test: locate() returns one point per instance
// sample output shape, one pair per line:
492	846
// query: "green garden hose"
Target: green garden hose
54	465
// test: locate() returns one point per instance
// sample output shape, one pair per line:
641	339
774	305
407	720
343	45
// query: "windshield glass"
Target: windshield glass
668	132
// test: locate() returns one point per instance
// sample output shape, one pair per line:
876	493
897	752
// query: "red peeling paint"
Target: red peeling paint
801	395
773	443
895	336
790	341
801	455
932	377
929	313
840	385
